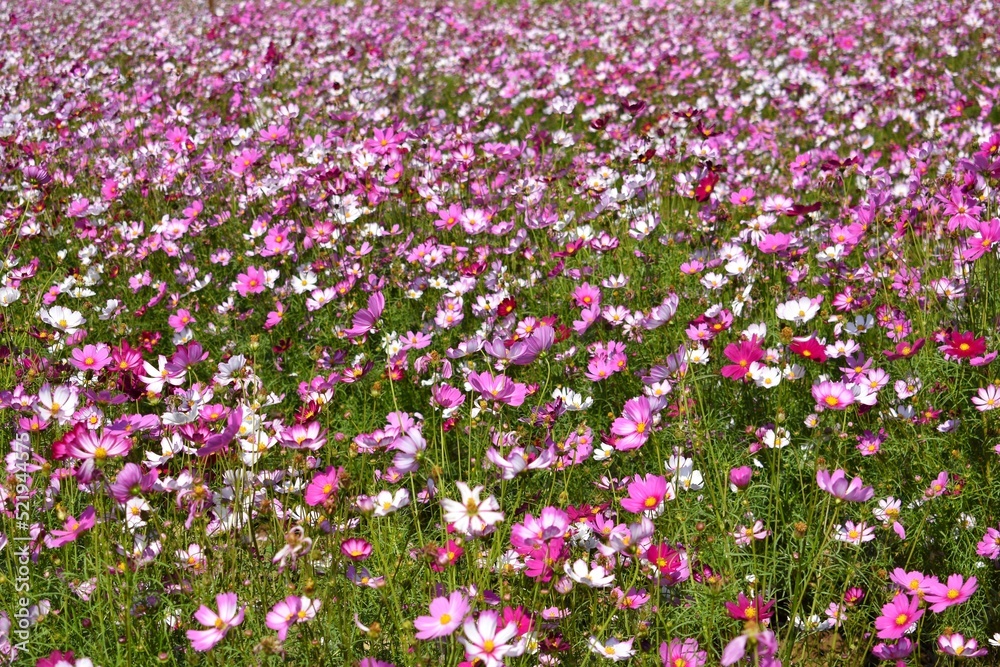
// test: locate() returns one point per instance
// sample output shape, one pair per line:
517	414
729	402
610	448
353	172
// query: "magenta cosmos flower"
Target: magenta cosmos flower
832	395
254	281
898	616
72	529
218	625
647	494
323	486
743	355
632	429
836	484
956	591
447	613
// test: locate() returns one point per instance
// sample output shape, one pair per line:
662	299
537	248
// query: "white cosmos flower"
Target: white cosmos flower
387	502
581	573
9	295
64	319
798	311
471	516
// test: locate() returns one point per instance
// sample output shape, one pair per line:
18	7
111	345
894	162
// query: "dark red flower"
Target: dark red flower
963	345
506	307
705	186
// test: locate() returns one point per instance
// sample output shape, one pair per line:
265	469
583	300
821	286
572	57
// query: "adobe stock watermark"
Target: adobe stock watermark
21	449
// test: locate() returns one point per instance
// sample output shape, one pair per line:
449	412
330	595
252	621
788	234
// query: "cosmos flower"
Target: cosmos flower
218	624
836	484
956	591
634	427
72	529
293	609
898	616
485	641
446	615
471	516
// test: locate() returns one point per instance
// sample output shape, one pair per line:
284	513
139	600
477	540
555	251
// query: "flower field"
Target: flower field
436	333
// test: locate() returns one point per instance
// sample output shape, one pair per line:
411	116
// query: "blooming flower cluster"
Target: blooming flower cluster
542	333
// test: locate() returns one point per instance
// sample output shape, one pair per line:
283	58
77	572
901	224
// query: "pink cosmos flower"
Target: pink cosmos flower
809	348
72	529
365	319
634	426
939	486
94	447
356	549
246	159
218	625
671	564
955	591
293	609
310	435
55	659
836	484
989	546
740	477
745	535
446	396
914	583
958	646
898	616
900	650
742	197
254	281
987	235
682	653
499	388
586	296
765	649
446	614
275	316
92	357
323	486
832	395
647	494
